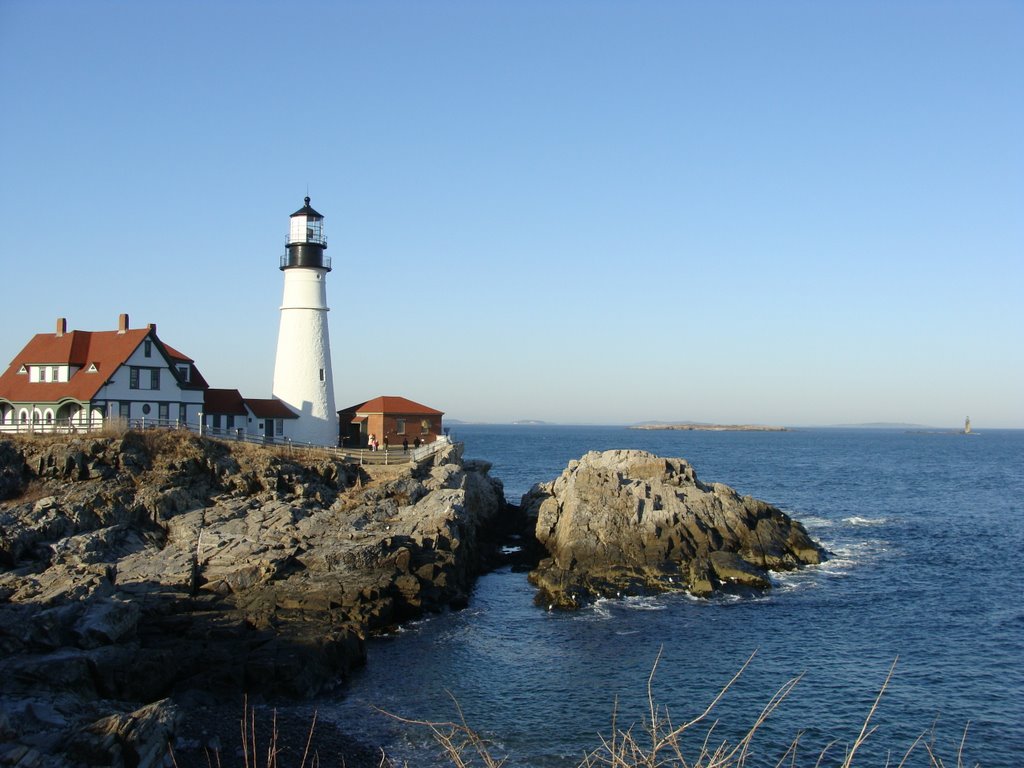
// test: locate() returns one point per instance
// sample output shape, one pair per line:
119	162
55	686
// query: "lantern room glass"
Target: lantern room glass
306	229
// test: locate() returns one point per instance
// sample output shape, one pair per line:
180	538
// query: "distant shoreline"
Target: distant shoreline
712	427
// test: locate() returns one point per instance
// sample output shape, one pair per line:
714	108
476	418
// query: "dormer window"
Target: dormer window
183	372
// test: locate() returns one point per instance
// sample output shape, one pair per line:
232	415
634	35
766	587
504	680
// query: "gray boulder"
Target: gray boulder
629	522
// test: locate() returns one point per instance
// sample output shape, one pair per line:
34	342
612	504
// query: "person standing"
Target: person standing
405	444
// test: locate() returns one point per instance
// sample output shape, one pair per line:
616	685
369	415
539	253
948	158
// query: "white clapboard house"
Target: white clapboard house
84	379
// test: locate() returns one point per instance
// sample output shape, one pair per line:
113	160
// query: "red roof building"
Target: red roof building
80	379
228	413
394	421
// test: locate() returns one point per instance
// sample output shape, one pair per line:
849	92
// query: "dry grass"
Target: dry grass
657	742
255	755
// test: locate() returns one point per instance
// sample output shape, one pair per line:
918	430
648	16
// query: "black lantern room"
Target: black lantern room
306	240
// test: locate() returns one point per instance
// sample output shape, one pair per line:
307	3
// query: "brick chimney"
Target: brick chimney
152	327
62	326
122	322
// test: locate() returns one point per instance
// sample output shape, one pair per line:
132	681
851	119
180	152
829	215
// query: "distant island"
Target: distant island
529	422
691	426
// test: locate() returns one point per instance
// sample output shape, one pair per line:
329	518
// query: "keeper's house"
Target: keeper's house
83	379
391	417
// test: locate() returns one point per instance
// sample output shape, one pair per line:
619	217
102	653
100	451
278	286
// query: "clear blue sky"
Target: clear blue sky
578	211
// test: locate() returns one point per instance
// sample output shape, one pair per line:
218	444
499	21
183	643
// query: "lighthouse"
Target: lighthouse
302	367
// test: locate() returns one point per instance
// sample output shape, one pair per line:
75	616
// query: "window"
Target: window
231	422
42	373
425	427
54	374
183	372
138	380
163	411
125	410
182	412
146	409
279	427
147	348
400	426
216	421
321	374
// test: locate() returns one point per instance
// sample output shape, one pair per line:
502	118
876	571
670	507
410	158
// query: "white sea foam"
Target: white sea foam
646	603
857	520
601	609
789	581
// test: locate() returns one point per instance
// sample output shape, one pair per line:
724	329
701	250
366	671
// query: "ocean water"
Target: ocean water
926	535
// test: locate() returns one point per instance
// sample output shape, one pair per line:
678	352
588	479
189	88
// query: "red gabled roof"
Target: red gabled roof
104	351
176	356
393	404
228	402
270	408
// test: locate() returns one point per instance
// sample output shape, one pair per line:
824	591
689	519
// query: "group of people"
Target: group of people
375	445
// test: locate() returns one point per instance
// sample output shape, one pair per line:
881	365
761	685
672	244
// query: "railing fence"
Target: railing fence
386	456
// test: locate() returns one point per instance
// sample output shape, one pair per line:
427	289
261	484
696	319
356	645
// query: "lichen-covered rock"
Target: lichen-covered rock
161	564
625	522
13	471
136	739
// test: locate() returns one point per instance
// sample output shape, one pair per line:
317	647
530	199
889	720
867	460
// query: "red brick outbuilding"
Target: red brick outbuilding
390	417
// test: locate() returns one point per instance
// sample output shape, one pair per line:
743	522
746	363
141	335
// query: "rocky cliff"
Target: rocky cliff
138	568
629	522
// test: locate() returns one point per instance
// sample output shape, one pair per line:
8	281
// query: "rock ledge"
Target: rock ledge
629	522
142	570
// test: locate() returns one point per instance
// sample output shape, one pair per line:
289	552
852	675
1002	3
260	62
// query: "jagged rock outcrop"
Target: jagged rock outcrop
629	522
137	569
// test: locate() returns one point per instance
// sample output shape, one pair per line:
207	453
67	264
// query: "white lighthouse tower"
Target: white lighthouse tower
302	368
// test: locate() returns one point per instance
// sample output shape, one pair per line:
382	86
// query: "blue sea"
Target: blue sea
925	532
